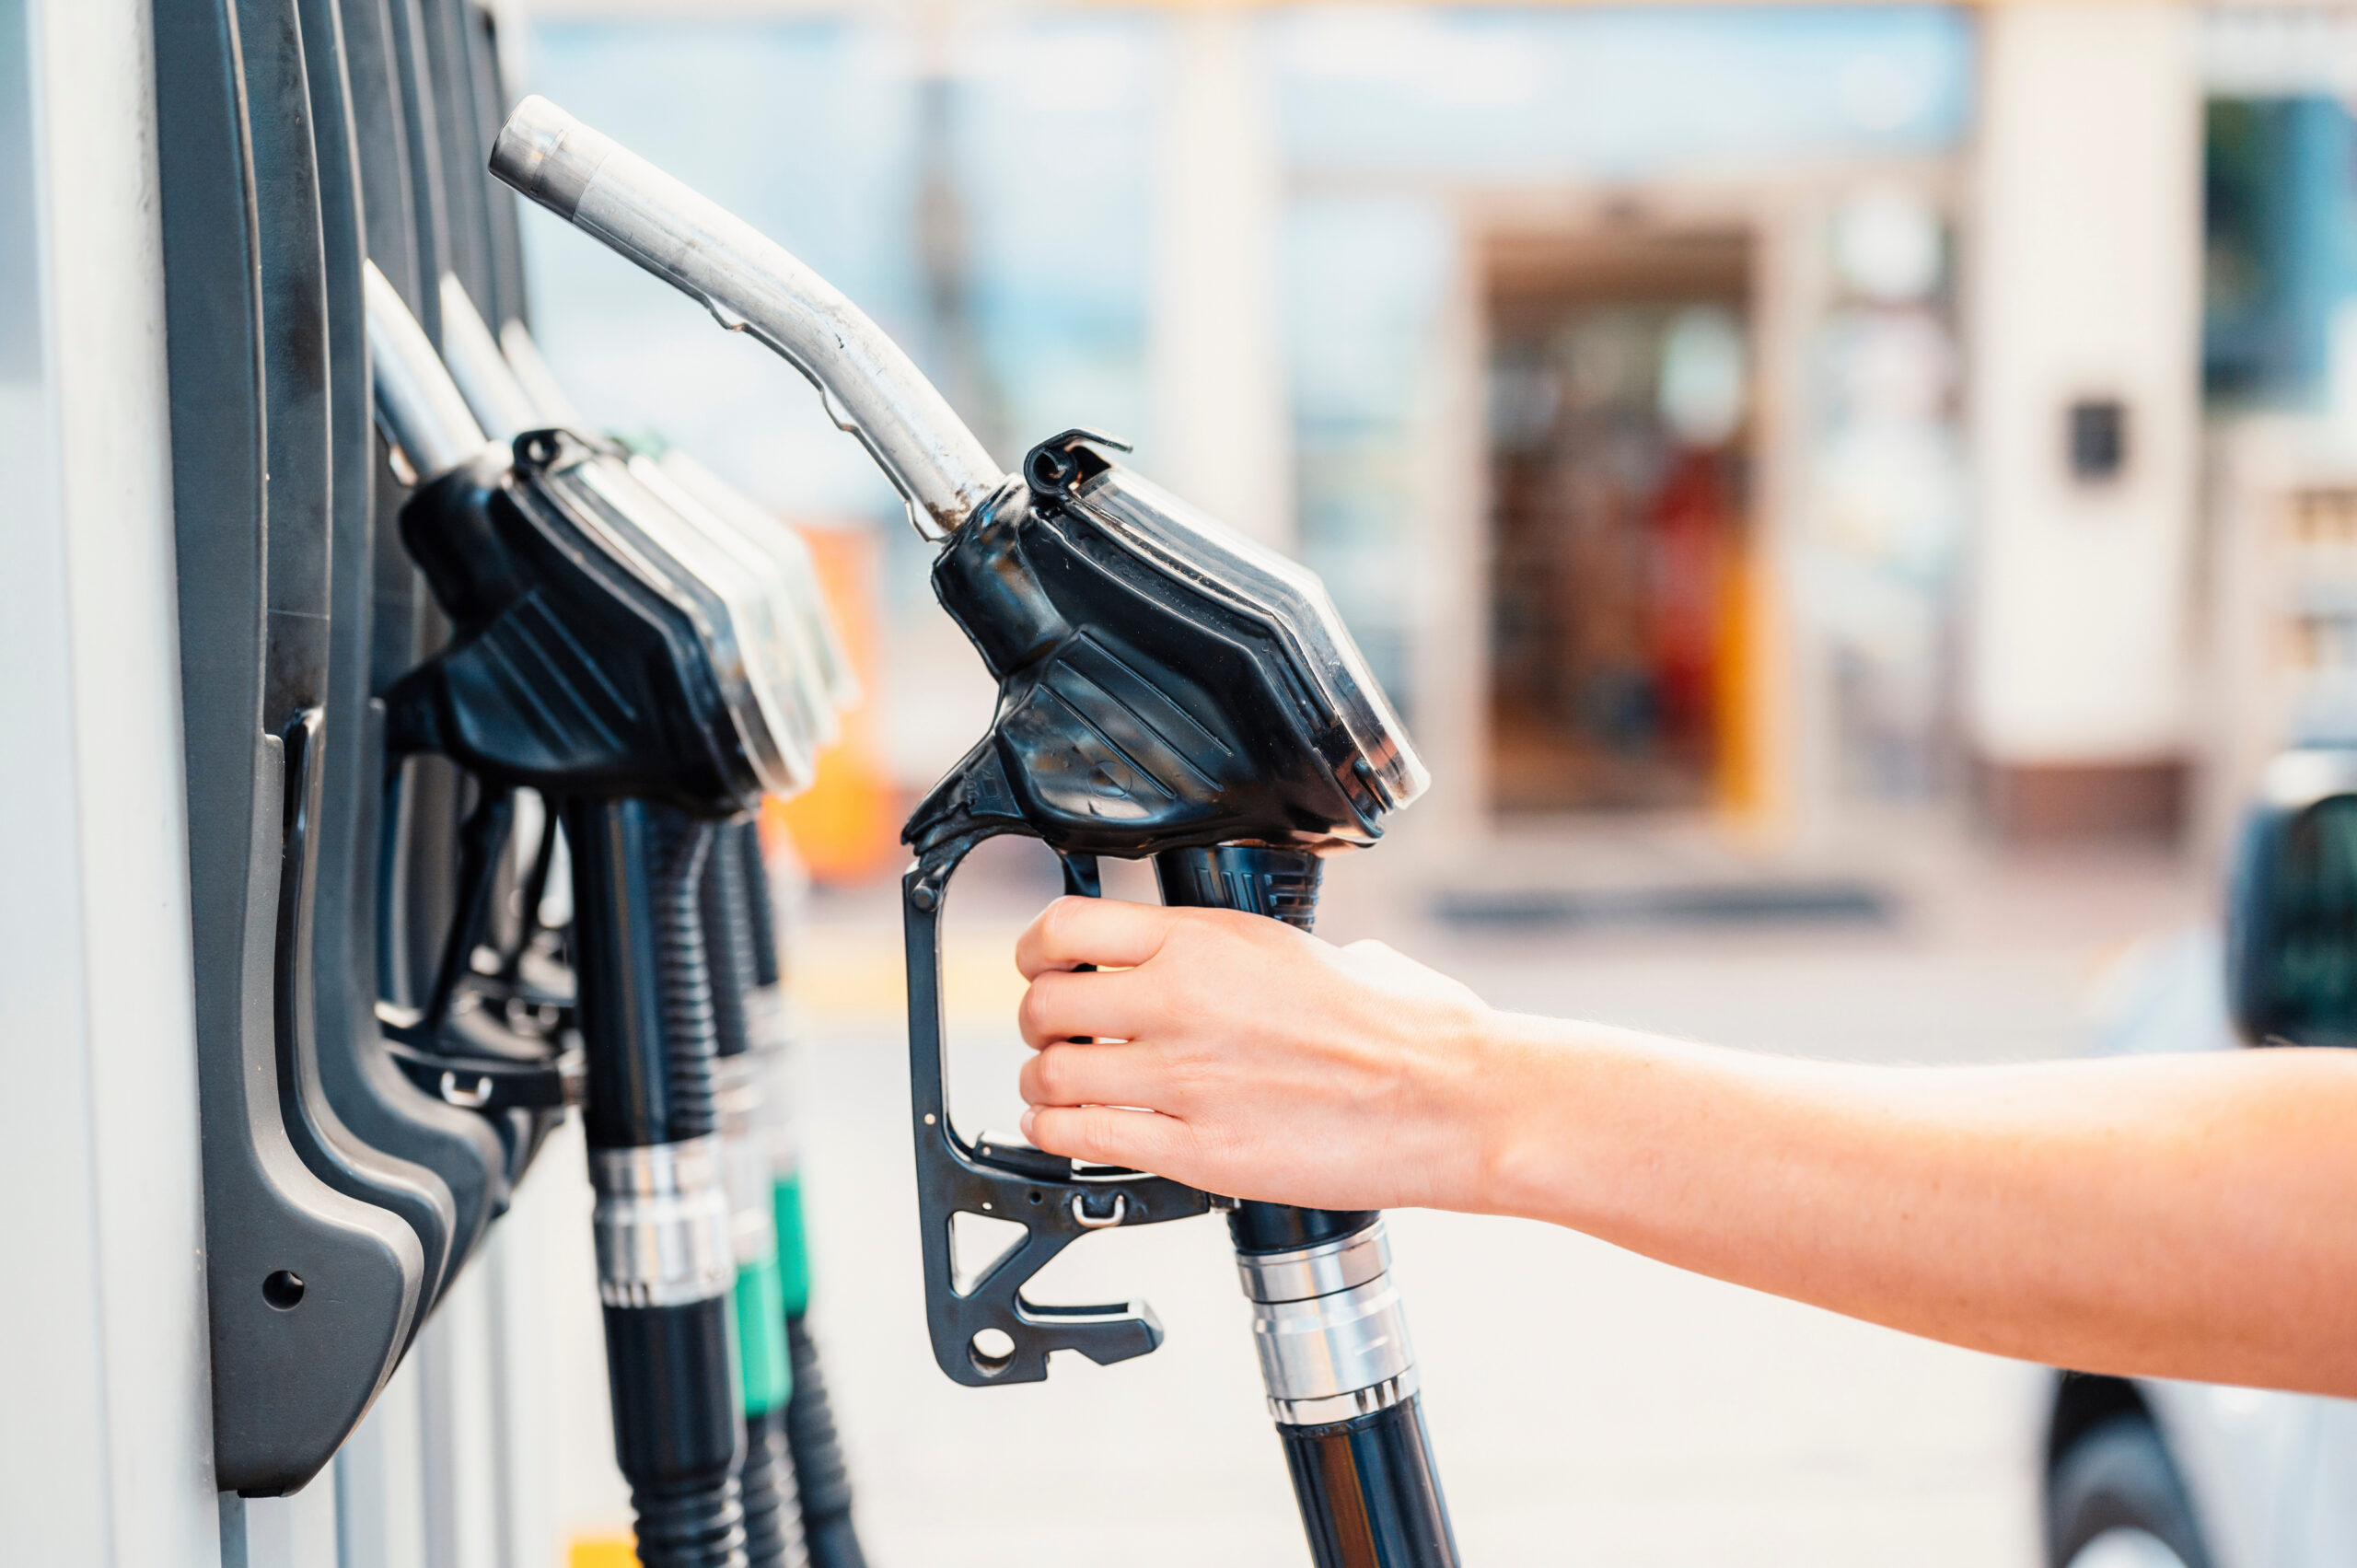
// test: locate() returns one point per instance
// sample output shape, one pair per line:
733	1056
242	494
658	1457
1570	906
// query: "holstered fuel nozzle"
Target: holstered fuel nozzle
618	649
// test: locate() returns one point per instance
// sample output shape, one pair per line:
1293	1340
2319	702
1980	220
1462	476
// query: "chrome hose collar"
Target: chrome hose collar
1329	1266
752	1209
662	1223
1337	1408
736	1090
767	1021
745	1160
1328	1325
772	1116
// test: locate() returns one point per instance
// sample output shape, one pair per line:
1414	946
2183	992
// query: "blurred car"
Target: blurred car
2149	1473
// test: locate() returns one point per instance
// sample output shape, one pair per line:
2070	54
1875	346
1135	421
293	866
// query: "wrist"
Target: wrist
1460	1101
1545	1132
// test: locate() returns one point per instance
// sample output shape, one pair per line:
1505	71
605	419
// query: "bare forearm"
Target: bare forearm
2175	1216
2186	1216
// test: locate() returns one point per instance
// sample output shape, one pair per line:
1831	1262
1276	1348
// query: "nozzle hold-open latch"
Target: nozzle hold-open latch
988	1331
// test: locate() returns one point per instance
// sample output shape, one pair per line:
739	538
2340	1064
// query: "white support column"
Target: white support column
1223	432
380	1480
561	1482
102	1336
458	1435
2085	274
300	1531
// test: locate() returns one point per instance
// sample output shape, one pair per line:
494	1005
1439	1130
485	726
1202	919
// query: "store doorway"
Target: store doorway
1619	419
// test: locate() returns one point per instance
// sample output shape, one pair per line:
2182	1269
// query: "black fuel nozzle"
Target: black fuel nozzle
1168	690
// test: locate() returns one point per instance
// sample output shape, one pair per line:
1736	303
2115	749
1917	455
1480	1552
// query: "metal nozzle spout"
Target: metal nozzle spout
753	284
492	389
548	155
417	402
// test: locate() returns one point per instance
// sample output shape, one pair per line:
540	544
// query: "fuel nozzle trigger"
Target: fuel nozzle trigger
985	1331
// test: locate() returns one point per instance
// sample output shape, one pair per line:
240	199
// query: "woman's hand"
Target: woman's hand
1237	1055
2160	1216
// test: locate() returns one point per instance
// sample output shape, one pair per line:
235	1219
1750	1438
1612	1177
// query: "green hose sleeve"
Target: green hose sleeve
793	1245
764	1370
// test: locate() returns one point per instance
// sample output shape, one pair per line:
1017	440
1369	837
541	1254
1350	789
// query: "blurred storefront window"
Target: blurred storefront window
1619	386
1629	564
989	186
2279	264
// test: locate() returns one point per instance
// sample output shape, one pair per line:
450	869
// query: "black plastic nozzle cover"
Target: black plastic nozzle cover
1141	708
566	673
1144	708
571	673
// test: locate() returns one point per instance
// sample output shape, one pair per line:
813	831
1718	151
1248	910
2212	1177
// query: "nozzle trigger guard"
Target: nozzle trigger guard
996	1177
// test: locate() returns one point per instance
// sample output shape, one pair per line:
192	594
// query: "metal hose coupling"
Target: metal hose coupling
662	1223
1327	1324
752	1213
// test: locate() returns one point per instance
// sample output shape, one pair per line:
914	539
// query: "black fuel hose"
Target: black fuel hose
652	1119
760	907
772	1508
820	1474
728	939
818	1468
773	1511
1347	1404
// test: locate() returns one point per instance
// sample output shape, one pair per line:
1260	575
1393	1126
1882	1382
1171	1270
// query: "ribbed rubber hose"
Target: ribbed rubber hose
820	1474
647	1025
684	972
759	901
703	1528
772	1508
729	939
700	1525
818	1468
773	1511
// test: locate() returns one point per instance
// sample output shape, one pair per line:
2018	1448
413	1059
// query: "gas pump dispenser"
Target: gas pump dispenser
398	642
341	1197
1166	690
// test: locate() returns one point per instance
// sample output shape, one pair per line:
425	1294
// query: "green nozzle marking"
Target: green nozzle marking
793	1245
765	1373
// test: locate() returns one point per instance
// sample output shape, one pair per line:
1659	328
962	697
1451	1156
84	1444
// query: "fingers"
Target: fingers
1060	1005
1106	932
1118	1073
1143	1140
